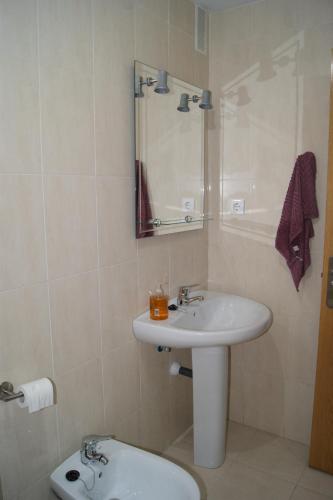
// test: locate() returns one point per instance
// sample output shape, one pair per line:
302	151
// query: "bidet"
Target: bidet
129	474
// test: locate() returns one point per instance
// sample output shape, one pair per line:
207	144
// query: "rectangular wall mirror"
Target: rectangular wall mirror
169	153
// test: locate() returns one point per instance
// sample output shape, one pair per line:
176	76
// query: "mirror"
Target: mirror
169	131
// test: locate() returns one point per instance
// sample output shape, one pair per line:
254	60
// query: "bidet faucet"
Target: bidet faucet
184	295
89	449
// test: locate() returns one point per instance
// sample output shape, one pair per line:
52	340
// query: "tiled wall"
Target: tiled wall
270	77
72	275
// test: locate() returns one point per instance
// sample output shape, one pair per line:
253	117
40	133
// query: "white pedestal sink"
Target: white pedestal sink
209	328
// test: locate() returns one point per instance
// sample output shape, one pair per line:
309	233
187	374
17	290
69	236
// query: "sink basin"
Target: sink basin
130	474
209	328
220	319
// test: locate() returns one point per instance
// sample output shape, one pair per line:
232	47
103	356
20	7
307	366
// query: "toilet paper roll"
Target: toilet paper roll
37	395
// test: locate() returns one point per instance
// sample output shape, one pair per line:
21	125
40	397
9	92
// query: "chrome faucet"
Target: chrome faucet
89	449
184	295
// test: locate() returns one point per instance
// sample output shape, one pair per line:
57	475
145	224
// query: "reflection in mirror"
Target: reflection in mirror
169	152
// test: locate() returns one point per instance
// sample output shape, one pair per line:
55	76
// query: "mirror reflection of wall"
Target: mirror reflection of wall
169	152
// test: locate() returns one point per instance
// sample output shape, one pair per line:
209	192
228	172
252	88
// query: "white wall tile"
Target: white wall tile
75	321
22	255
80	405
68	248
113	66
117	241
151	40
66	86
19	106
254	145
25	337
70	224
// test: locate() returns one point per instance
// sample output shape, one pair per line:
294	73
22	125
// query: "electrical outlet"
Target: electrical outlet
238	207
188	204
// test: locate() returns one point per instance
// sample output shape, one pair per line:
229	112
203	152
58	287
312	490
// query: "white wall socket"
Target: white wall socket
238	207
188	204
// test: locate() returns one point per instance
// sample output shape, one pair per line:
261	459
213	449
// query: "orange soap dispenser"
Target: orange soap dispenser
158	302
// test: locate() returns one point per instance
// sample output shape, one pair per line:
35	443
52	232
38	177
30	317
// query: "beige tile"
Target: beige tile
181	407
182	14
157	7
188	260
39	491
200	257
269	353
303	494
298	411
75	321
201	72
264	396
151	40
181	54
236	406
121	383
66	86
240	482
153	267
240	438
29	447
317	481
181	261
118	304
117	241
234	24
19	108
80	405
203	476
127	429
154	374
236	397
318	14
155	424
301	359
70	225
25	354
22	253
280	457
114	48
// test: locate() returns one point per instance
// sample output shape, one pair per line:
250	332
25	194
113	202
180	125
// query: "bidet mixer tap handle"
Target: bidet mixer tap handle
89	451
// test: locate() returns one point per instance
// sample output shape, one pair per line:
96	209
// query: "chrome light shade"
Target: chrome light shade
206	100
183	105
161	86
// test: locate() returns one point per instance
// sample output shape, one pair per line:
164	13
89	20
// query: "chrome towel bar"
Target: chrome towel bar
188	219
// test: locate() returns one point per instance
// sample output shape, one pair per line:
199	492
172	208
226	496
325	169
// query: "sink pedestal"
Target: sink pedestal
210	403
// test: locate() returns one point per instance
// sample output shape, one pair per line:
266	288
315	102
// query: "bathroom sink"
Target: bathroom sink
130	474
209	327
220	319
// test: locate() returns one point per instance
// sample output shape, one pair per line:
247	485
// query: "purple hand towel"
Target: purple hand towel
144	227
295	228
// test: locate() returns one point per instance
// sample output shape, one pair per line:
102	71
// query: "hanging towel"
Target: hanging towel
144	227
295	228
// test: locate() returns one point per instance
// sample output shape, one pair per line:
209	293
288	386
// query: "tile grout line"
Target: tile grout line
93	88
42	158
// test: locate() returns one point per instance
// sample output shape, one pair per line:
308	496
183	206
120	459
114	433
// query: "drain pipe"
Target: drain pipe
176	369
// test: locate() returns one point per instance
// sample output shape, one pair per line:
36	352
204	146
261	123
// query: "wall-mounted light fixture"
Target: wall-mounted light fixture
183	104
161	81
205	98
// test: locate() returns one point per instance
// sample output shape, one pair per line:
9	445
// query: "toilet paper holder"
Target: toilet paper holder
7	392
